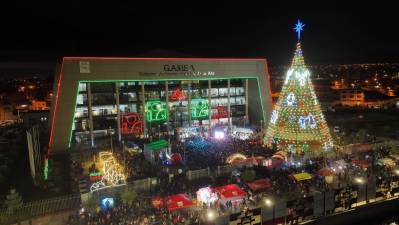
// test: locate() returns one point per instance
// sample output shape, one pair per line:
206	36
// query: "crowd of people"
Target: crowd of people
199	152
139	212
210	152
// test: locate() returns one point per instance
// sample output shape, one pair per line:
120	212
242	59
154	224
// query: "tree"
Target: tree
297	123
248	175
128	195
13	200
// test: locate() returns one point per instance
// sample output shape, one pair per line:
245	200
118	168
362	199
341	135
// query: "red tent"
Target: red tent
361	163
259	184
229	192
179	201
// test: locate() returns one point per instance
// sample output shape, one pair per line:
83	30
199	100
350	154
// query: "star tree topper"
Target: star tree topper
299	28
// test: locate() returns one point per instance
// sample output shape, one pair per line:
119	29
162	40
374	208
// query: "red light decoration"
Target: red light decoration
178	95
95	176
219	112
131	124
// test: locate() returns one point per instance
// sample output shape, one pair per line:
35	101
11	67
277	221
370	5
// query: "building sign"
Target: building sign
156	111
247	217
131	123
219	112
84	67
199	108
180	69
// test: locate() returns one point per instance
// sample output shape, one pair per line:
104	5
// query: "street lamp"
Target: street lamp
210	215
111	133
361	181
396	171
270	203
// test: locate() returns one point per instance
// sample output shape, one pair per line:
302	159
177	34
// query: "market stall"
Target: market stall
260	184
156	150
301	176
327	173
230	192
207	196
176	202
388	162
361	163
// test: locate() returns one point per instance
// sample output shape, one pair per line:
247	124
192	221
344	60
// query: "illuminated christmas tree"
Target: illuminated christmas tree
297	123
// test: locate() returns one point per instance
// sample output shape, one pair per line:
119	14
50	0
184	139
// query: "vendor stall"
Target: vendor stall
207	196
388	162
155	150
230	192
302	176
361	163
260	184
176	202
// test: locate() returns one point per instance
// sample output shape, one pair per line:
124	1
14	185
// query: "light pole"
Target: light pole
270	203
111	133
362	181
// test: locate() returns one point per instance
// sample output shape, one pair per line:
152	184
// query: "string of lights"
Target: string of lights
297	122
113	172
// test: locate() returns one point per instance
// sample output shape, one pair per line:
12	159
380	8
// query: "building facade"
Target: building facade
95	98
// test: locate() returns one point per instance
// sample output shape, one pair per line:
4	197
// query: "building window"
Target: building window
82	87
81	99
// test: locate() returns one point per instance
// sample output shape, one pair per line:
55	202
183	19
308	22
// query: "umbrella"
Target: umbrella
282	153
278	157
325	172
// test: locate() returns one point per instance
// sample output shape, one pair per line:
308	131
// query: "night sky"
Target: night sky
335	32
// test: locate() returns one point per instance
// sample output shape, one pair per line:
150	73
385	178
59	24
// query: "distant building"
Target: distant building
363	98
38	105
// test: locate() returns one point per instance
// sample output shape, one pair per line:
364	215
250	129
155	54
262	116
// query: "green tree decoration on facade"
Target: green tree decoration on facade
156	111
297	123
199	108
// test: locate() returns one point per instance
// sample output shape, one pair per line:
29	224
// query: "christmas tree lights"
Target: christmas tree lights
297	123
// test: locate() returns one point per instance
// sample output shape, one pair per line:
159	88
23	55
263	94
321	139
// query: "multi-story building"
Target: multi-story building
351	97
365	98
151	97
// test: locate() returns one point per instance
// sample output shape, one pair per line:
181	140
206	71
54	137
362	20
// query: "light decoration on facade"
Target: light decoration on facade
113	172
219	112
45	168
297	123
156	111
199	108
131	123
177	95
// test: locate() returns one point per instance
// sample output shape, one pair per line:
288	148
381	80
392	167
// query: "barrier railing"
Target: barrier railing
37	208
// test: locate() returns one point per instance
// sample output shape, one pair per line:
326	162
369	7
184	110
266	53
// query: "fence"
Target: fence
36	208
201	173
